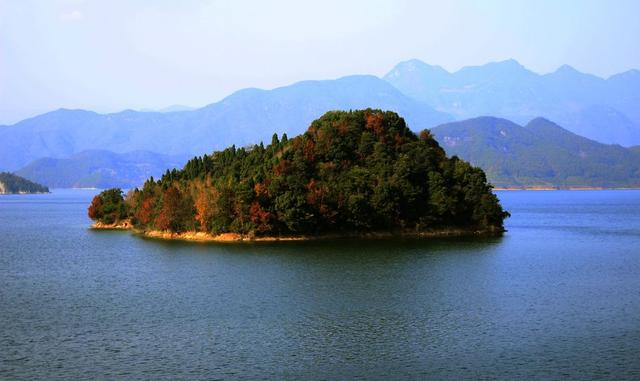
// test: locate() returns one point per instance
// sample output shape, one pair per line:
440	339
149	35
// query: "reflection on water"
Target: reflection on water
556	297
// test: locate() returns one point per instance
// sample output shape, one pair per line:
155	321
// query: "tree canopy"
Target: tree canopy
350	172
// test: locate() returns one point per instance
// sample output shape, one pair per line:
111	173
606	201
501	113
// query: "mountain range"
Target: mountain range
100	169
245	117
172	108
606	110
85	148
538	154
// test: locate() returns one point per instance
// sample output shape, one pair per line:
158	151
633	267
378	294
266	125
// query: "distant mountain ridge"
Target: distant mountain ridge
100	169
244	117
172	108
606	110
539	154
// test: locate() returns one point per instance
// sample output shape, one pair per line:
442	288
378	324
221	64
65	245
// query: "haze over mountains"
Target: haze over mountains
100	169
606	110
245	117
172	108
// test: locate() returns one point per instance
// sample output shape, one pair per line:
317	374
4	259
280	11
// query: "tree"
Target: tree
176	211
95	209
145	213
205	207
108	207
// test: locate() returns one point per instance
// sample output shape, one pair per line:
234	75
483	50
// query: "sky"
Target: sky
112	55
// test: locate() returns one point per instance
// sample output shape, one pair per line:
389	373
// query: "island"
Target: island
359	173
13	184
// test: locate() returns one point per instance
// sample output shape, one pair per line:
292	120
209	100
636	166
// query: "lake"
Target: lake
558	297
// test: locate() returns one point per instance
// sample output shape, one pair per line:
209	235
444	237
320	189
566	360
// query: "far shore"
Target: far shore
21	193
558	189
236	237
523	188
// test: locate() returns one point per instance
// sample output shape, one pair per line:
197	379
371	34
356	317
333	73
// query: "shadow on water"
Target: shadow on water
335	247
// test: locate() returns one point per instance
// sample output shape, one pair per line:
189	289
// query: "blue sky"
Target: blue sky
111	55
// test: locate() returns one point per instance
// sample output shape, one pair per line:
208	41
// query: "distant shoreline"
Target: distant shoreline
194	236
525	188
21	193
560	189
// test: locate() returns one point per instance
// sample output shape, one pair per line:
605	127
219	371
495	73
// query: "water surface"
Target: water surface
558	297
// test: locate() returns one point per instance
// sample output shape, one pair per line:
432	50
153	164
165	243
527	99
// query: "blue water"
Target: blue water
558	297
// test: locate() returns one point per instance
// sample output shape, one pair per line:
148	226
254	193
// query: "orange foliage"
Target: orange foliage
203	210
145	211
167	215
94	208
309	151
260	217
261	190
373	122
425	135
281	168
315	193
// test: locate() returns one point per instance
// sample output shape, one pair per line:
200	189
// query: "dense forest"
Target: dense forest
350	172
10	183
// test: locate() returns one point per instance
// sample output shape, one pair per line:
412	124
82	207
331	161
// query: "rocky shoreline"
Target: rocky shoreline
118	225
236	237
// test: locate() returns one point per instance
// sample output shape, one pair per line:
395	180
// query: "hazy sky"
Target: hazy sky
111	55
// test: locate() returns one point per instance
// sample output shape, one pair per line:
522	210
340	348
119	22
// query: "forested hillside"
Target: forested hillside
350	172
539	154
10	183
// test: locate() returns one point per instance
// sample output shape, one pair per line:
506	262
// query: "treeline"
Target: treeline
10	183
356	171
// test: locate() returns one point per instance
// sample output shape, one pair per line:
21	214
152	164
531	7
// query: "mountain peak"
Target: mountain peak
415	66
539	120
418	64
544	125
632	74
509	67
567	69
510	62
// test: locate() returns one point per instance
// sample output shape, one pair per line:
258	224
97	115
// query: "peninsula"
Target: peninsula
13	184
359	173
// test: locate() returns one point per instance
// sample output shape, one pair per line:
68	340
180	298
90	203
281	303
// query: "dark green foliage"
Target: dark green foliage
10	183
350	172
108	207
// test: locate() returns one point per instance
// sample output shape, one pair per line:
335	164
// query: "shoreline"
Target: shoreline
119	225
193	236
560	189
21	193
